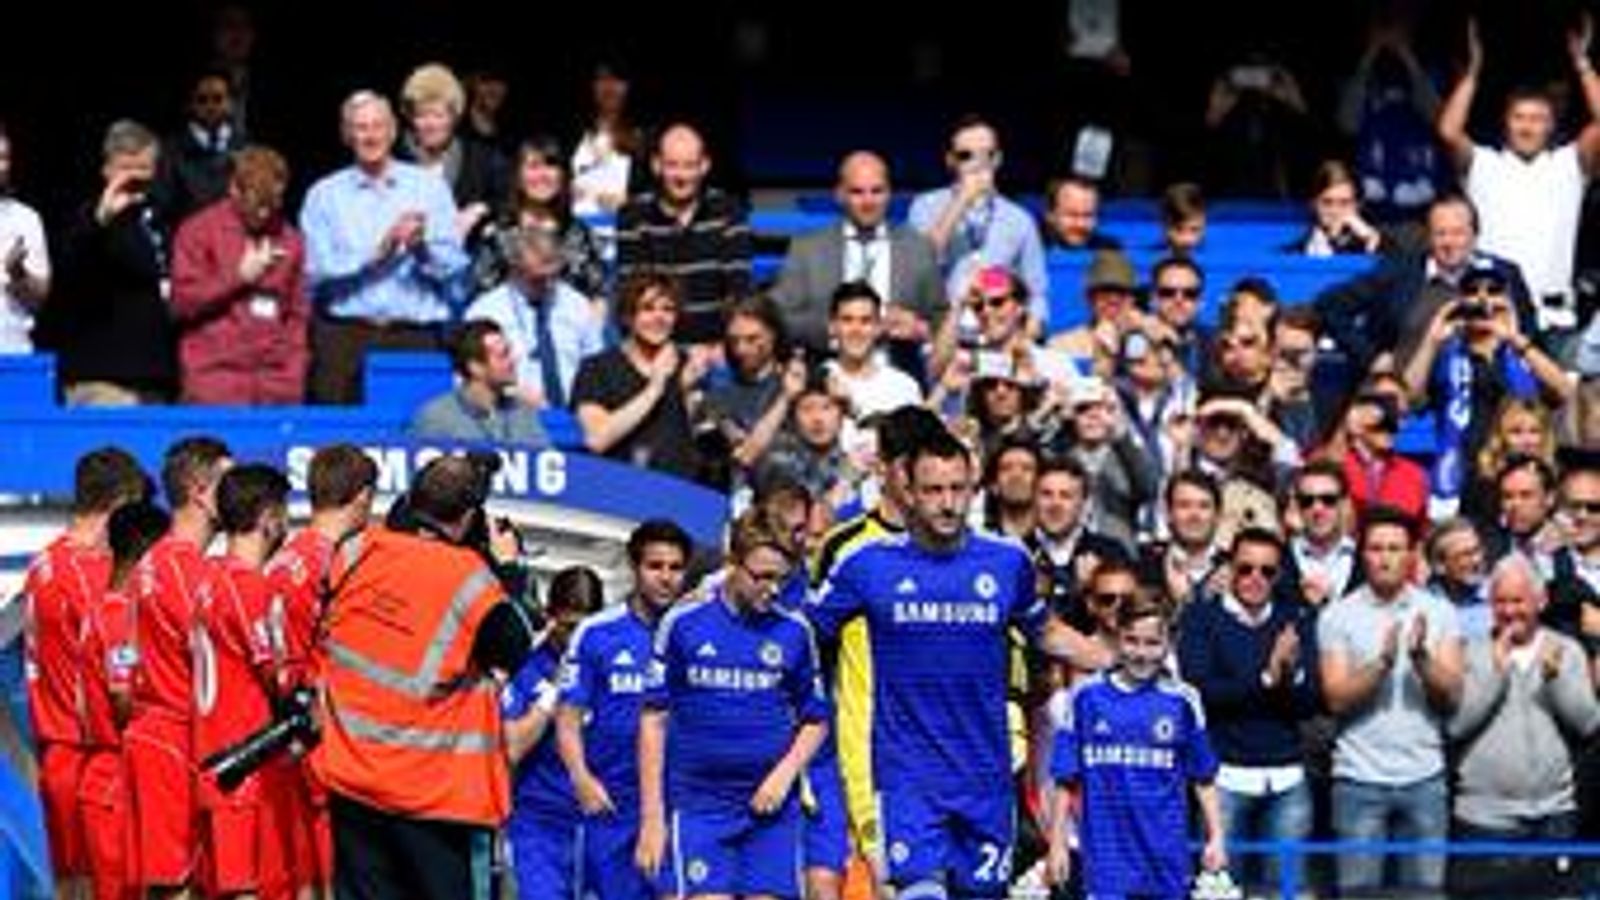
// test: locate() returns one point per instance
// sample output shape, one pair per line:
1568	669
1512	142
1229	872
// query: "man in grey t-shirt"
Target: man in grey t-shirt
1391	661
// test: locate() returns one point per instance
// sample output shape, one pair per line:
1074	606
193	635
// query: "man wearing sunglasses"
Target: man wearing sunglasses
1250	653
972	225
1320	564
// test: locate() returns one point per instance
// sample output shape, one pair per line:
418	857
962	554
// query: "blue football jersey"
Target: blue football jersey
605	674
736	685
541	787
1134	749
937	626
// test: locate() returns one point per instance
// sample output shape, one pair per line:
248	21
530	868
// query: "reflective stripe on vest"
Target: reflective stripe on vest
424	682
362	727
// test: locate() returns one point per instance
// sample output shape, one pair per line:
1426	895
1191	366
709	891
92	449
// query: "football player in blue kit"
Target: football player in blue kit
603	682
737	705
939	601
1133	741
543	829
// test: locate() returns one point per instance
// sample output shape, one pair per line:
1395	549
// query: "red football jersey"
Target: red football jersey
60	585
108	662
162	588
297	575
232	664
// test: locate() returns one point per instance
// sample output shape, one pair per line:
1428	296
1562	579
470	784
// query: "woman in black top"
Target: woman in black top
540	197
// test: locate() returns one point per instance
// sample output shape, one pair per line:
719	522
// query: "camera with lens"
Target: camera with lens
292	724
1470	312
514	575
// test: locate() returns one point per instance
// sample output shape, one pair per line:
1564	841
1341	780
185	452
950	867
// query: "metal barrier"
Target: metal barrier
1290	855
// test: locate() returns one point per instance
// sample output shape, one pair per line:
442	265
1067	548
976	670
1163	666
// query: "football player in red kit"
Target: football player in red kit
340	481
246	849
108	661
61	584
157	742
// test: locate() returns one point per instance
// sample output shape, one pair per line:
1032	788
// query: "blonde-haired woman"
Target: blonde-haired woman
431	103
1521	427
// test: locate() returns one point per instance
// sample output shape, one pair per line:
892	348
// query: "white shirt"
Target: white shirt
1334	567
19	222
573	329
597	168
868	260
1528	211
884	389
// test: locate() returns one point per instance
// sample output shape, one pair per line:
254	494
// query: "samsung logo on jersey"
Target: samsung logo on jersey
627	682
541	473
727	678
912	612
1128	756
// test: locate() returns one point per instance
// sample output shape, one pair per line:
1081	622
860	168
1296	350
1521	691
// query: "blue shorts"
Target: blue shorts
607	843
734	852
544	857
962	840
826	826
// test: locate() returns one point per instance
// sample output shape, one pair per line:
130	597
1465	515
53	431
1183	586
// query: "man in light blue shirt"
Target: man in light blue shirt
551	326
972	226
383	256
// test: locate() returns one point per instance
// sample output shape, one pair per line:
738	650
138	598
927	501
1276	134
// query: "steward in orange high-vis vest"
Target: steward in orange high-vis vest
412	751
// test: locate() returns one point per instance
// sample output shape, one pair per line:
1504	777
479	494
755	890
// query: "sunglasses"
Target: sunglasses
1317	499
1297	359
964	155
1107	598
1248	569
1588	507
1184	293
990	302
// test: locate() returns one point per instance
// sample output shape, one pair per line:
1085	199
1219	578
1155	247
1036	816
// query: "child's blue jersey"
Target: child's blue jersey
736	685
1134	749
937	626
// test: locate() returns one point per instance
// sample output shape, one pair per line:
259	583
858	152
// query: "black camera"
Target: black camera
294	724
1470	312
514	576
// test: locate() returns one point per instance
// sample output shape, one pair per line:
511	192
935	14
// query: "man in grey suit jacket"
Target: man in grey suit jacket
897	261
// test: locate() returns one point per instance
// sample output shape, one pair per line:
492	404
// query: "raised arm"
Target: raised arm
1578	40
1452	124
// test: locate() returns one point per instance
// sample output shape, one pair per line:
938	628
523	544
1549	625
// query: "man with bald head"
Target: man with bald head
695	233
899	262
1527	702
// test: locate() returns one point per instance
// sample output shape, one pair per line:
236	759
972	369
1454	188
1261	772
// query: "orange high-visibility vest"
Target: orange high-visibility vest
409	725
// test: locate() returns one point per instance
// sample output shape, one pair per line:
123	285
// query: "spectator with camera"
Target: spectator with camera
108	319
1472	356
417	629
1527	702
1364	446
632	401
485	405
973	226
1379	319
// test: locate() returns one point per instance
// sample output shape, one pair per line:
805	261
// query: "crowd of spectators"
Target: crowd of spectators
1365	670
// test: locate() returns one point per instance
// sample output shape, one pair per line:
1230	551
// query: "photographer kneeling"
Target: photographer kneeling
412	751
